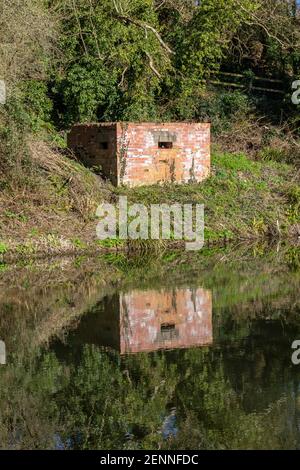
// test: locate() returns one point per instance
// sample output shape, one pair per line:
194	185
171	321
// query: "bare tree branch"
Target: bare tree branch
79	26
152	67
120	84
146	26
94	30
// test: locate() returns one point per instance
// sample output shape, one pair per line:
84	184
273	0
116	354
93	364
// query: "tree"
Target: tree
141	59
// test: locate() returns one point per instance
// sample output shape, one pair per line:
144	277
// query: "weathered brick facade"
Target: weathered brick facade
144	153
153	320
150	320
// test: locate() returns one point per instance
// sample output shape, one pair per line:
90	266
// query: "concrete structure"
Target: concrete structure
144	153
150	320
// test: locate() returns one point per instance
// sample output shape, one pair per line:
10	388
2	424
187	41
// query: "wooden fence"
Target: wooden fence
247	82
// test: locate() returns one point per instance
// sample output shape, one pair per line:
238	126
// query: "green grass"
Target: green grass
78	243
243	198
3	248
111	243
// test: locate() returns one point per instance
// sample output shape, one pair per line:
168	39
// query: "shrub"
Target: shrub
224	109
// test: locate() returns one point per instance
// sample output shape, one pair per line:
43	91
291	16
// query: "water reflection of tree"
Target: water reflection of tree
98	400
101	401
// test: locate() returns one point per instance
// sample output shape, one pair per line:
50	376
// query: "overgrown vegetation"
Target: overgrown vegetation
243	199
65	61
55	212
142	60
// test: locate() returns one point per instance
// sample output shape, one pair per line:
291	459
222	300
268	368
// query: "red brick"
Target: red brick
190	155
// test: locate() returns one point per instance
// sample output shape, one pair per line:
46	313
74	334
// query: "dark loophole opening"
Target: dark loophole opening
103	145
168	332
167	327
165	145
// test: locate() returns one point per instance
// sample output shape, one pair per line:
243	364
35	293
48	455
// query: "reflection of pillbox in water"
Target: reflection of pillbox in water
2	353
2	92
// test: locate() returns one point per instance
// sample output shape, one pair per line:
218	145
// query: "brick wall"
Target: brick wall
96	146
148	320
141	160
144	153
152	320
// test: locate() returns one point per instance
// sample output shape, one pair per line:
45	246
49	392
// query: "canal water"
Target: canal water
187	352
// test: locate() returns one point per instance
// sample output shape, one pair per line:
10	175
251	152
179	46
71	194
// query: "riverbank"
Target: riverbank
50	209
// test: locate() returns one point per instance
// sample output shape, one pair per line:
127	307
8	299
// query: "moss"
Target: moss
78	243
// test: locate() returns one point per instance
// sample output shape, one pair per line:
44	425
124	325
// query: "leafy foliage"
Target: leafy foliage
141	60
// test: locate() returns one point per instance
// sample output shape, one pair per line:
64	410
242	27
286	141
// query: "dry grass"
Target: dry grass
261	141
52	204
84	189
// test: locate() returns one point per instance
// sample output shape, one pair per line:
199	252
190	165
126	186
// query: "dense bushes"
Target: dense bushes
27	36
66	61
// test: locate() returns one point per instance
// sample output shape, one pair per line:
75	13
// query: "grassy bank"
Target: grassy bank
51	210
244	199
